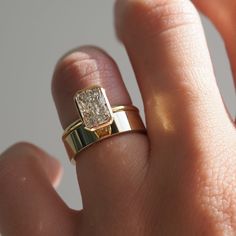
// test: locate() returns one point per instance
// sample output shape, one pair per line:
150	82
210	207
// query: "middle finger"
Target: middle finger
168	50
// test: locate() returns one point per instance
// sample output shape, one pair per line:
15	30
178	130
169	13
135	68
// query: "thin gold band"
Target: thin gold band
79	122
125	119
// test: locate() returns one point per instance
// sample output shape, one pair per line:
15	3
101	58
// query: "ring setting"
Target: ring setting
94	110
98	120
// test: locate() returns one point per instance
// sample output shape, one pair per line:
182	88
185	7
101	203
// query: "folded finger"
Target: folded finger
114	166
29	204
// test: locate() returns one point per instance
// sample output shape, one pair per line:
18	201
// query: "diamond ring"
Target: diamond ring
98	120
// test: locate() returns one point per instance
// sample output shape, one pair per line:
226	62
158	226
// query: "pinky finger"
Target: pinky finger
29	204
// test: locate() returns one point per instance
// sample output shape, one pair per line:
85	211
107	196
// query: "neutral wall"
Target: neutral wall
33	35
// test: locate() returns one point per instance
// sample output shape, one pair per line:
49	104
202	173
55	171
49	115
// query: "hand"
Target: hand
180	178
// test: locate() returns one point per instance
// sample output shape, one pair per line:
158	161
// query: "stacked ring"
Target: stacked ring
98	120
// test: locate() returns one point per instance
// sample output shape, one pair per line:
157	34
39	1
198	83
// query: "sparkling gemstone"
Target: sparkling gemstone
94	107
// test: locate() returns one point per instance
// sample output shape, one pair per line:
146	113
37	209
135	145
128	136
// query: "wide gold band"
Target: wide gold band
125	119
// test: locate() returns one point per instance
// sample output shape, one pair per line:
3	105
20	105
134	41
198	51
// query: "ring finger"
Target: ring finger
117	164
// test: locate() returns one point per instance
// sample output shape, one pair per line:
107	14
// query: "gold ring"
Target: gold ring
98	120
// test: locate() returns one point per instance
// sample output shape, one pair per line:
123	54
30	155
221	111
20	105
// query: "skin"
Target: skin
180	178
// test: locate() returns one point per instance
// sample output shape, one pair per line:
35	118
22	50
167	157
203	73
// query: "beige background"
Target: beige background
33	35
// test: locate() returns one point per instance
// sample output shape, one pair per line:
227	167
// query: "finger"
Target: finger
187	123
167	47
82	69
114	166
28	203
222	14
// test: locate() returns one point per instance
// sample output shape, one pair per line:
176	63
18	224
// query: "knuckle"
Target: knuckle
82	64
21	155
155	17
20	149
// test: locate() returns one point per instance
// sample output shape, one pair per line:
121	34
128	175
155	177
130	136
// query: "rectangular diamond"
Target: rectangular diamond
94	108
